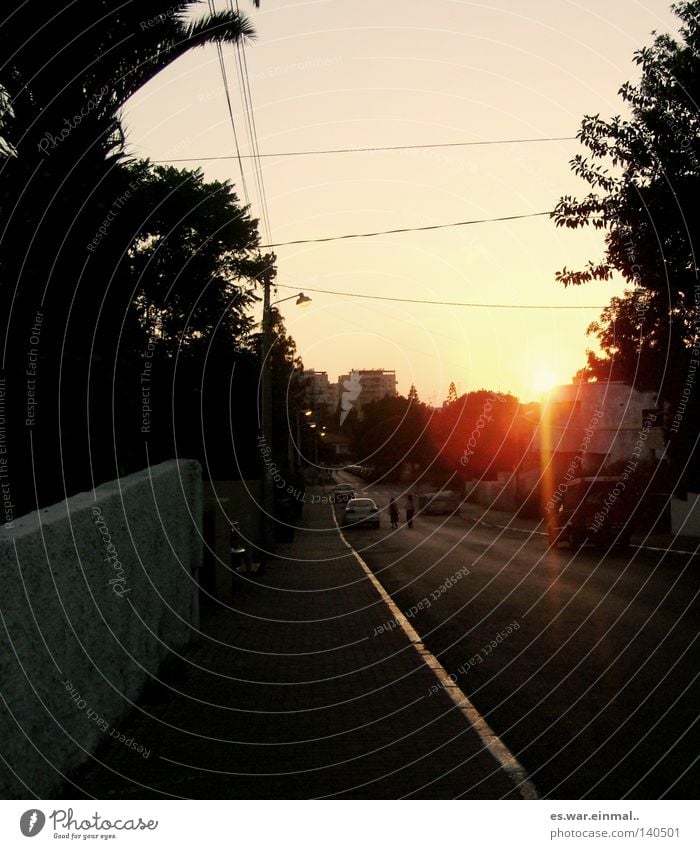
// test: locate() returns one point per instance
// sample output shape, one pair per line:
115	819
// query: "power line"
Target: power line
447	303
224	77
323	152
244	79
405	230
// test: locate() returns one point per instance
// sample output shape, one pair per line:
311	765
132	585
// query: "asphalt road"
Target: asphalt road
585	663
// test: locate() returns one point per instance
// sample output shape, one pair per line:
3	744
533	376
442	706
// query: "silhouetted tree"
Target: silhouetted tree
390	432
645	175
71	215
477	434
451	395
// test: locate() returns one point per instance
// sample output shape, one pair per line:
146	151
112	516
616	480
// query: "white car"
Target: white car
361	511
343	492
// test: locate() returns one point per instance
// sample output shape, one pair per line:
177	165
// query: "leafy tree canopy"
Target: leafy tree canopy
644	172
644	175
192	252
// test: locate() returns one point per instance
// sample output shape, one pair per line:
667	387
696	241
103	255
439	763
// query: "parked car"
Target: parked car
361	511
444	502
590	511
343	492
365	472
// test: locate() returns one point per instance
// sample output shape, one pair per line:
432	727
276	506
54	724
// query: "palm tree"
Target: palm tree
85	61
69	70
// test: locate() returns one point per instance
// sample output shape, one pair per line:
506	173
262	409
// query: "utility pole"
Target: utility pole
268	539
266	417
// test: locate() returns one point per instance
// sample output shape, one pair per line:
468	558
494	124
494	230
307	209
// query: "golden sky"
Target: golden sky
335	74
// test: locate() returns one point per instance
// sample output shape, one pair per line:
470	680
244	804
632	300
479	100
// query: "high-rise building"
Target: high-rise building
320	394
362	386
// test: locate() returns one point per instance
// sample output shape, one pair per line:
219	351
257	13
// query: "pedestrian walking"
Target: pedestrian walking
410	510
394	513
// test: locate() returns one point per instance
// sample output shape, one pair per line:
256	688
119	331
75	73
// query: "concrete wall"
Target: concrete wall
685	516
496	495
96	592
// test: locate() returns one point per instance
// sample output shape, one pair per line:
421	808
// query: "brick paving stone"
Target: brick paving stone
287	694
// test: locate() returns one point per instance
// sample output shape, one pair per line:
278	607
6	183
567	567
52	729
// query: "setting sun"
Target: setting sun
543	379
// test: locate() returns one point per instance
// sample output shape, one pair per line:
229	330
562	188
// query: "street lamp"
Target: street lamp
266	402
321	434
301	300
298	415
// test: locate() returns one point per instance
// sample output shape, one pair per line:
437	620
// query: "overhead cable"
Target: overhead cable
405	230
323	152
447	303
244	79
227	93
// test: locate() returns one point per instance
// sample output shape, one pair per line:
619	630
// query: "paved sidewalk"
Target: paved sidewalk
292	693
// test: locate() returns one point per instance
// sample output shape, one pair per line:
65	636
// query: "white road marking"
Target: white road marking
498	749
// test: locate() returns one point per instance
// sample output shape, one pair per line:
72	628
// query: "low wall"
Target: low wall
496	495
96	592
685	516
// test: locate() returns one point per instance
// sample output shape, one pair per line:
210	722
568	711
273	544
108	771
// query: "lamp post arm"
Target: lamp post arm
300	296
282	300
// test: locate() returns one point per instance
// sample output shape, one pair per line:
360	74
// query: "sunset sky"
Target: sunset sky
333	74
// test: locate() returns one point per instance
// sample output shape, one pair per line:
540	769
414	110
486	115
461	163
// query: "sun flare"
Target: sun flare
543	379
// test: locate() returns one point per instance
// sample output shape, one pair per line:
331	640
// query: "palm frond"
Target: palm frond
229	27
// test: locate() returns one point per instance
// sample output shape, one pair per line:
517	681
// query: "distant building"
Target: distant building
587	428
580	430
320	393
371	385
600	424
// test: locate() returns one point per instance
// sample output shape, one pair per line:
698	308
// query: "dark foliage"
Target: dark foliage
644	172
